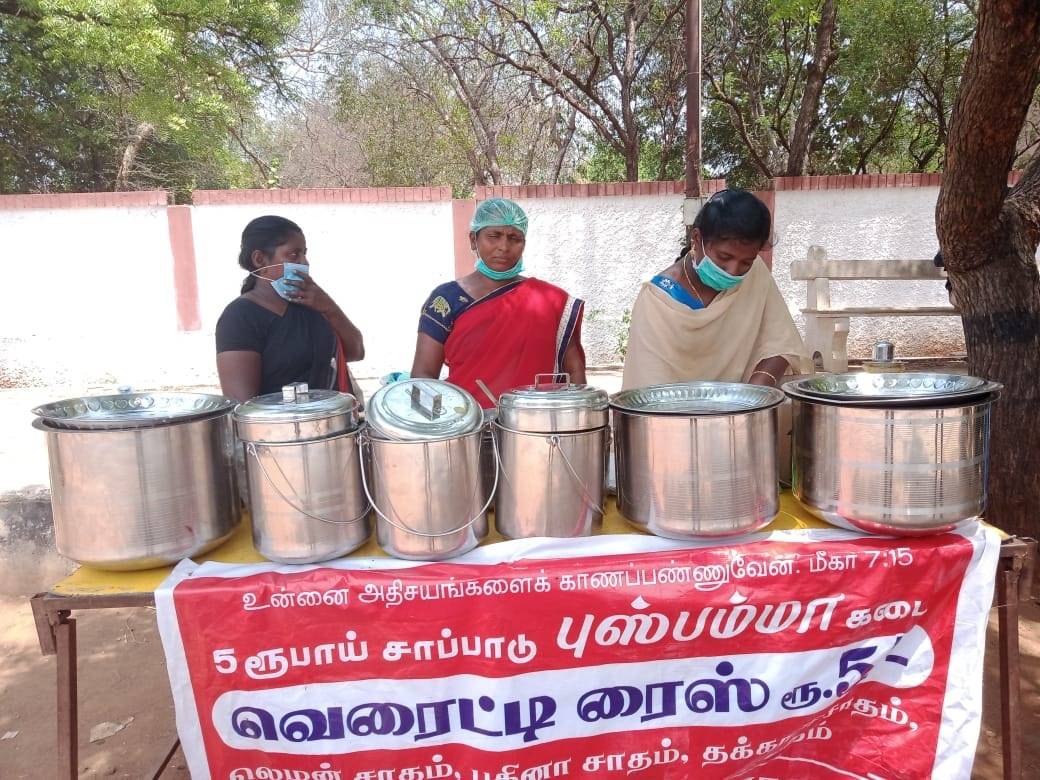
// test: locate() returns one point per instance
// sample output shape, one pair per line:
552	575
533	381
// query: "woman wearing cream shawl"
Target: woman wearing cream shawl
716	313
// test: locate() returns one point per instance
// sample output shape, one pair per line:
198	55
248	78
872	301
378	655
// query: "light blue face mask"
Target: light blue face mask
713	276
291	272
499	276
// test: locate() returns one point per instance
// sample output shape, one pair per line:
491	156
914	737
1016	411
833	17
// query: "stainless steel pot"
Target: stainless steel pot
425	483
697	459
296	414
422	410
552	440
428	496
912	465
305	493
549	484
554	407
141	490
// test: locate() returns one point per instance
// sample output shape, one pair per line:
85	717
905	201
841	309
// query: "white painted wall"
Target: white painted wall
869	224
378	261
88	293
90	301
600	249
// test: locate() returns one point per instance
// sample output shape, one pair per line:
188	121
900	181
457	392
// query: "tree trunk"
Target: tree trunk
1002	331
632	160
141	134
563	143
989	239
824	55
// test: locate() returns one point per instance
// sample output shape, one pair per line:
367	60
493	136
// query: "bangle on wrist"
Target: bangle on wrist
774	377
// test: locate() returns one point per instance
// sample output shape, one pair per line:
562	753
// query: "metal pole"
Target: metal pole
693	98
68	704
1008	572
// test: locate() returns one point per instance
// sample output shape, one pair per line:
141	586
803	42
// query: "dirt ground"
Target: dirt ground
122	674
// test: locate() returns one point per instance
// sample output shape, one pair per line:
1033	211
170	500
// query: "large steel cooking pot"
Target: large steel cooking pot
140	480
303	463
551	440
425	485
899	453
697	459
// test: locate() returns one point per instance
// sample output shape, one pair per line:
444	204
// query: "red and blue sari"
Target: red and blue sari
505	338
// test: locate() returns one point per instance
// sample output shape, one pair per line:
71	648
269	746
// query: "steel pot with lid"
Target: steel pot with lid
303	469
552	440
295	414
697	459
425	485
140	480
553	407
892	453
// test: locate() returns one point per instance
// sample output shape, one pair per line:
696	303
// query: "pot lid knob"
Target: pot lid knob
297	391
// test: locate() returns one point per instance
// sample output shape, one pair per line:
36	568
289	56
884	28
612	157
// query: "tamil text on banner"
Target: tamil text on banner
814	653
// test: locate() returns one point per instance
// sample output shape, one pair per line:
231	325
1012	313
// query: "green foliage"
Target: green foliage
623	331
79	79
463	92
603	163
886	98
402	139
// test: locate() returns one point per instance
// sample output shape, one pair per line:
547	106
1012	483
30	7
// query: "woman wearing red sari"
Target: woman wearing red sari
494	325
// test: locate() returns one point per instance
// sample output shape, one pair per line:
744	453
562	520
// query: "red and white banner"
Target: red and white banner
817	653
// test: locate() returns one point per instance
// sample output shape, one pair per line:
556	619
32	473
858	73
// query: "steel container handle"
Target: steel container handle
366	442
555	381
252	450
554	443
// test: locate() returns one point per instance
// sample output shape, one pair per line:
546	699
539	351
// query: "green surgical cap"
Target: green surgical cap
498	212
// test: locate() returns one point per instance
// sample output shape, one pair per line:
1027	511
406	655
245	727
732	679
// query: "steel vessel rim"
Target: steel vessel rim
894	405
45	425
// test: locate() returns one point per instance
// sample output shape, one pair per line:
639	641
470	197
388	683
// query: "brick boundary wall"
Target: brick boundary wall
146	198
322	196
593	190
85	200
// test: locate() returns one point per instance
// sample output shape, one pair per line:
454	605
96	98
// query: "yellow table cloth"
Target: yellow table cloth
239	549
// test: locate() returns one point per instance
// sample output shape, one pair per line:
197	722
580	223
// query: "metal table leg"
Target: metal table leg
157	773
56	631
1007	636
68	714
1014	583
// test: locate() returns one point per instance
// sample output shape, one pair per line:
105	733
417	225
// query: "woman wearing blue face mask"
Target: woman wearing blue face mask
715	313
283	328
493	325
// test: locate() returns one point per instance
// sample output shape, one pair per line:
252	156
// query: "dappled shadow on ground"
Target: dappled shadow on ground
122	674
988	764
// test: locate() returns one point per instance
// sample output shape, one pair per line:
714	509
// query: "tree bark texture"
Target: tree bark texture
824	55
141	134
988	236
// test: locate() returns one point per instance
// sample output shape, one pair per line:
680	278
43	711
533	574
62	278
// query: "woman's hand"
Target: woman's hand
306	292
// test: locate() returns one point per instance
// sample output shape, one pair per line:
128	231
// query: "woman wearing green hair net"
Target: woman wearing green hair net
494	325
